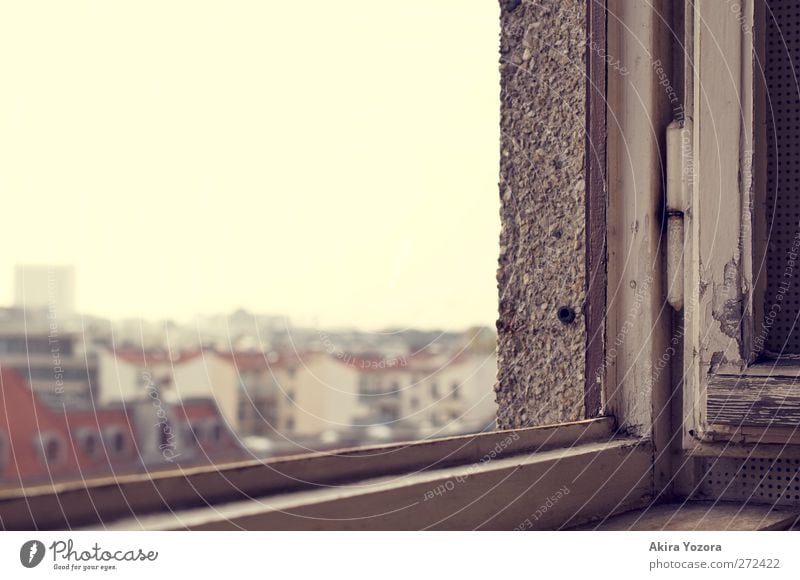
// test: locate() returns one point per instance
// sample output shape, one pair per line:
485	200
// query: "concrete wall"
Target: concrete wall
542	259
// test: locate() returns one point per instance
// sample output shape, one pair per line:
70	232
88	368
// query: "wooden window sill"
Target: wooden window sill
490	481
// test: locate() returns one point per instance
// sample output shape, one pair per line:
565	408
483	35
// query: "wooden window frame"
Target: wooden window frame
596	202
729	393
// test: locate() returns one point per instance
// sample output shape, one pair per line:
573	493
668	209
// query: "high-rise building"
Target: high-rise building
50	288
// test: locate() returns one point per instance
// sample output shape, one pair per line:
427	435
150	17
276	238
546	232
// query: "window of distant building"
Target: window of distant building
290	424
414	403
119	443
434	390
89	442
455	391
45	372
116	441
205	432
216	432
51	448
3	452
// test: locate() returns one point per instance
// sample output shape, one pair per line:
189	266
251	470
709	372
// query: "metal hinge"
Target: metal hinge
679	164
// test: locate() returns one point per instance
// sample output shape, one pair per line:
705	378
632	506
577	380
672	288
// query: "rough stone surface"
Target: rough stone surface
542	259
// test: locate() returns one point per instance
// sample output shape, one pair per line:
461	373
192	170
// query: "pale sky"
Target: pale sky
333	161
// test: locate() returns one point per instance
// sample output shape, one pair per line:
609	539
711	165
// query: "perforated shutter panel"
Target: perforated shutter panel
773	481
782	299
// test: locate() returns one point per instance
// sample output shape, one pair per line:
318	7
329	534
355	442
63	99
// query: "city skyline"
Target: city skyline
277	319
199	177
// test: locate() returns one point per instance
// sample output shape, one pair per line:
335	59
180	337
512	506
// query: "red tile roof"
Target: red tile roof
22	419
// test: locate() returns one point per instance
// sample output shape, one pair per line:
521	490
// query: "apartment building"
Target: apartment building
315	397
124	375
244	386
254	382
322	397
39	443
288	395
52	363
430	393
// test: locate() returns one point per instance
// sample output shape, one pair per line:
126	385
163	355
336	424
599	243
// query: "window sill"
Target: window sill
490	481
587	481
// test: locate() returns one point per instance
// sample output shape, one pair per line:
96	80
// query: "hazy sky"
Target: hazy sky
334	161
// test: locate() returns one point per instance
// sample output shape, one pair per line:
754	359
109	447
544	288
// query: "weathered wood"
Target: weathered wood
719	233
744	400
596	200
547	490
638	390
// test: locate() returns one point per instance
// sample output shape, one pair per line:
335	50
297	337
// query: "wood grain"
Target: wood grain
596	138
742	400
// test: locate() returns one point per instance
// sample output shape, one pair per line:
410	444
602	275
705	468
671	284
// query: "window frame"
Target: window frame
730	394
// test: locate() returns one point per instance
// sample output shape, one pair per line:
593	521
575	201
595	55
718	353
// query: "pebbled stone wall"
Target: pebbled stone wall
542	259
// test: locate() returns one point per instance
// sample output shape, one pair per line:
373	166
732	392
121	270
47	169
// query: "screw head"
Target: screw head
566	314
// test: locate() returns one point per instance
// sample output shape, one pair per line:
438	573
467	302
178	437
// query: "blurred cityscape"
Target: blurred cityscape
84	396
